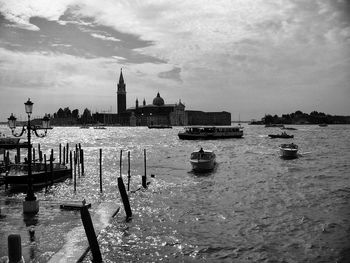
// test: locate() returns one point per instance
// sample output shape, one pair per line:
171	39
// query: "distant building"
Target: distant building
157	113
121	95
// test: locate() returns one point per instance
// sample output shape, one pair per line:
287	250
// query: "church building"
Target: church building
158	113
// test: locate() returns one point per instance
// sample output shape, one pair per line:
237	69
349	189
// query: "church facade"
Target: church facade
158	113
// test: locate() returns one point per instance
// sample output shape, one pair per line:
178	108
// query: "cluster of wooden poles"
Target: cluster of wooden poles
144	176
65	157
14	241
85	215
75	160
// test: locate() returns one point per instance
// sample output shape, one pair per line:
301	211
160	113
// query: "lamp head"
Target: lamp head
28	106
12	122
46	122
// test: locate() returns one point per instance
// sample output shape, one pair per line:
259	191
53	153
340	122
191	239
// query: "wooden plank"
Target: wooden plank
73	206
76	244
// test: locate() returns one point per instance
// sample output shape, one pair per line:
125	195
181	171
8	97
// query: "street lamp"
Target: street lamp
29	128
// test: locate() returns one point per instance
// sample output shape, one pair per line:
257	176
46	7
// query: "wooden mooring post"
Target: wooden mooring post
18	154
100	170
129	176
125	198
51	167
70	161
144	177
40	153
60	153
75	170
14	249
40	156
46	180
121	163
33	155
7	162
52	154
90	234
82	162
74	174
122	191
64	155
67	151
78	158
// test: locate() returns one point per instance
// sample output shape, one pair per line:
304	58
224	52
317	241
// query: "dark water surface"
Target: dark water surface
254	207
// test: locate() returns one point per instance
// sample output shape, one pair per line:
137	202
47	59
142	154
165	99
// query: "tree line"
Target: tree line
300	117
67	117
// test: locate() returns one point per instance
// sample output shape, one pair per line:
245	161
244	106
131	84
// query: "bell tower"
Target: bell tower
121	94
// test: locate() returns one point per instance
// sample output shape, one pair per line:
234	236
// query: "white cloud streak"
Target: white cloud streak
107	38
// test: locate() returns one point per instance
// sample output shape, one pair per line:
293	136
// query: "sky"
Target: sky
247	57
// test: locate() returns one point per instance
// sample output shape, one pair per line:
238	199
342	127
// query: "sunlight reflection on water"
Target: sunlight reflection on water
253	207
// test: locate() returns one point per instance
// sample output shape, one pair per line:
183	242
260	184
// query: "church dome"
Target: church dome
158	101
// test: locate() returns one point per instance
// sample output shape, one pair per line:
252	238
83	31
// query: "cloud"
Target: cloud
108	38
171	74
242	48
19	12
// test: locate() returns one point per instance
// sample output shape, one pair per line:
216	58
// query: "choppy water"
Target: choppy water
254	207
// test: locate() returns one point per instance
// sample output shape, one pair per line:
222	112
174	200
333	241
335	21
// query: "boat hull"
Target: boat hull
19	180
202	166
9	141
159	127
288	153
274	136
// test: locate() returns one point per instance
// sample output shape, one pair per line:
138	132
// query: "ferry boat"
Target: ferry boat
289	151
274	125
159	126
203	161
210	132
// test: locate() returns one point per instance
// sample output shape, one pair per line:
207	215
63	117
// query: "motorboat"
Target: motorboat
289	128
323	125
210	132
100	127
203	160
282	135
289	151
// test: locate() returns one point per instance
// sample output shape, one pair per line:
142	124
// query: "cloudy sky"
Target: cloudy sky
248	57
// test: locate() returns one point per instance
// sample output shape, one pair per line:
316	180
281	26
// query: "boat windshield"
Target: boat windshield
203	156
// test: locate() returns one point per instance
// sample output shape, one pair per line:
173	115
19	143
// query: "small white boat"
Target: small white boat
203	160
100	127
289	151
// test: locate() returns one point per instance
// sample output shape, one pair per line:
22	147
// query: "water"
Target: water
254	207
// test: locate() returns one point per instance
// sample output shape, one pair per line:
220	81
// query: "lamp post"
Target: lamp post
30	204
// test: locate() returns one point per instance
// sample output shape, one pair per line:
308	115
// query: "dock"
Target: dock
76	245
